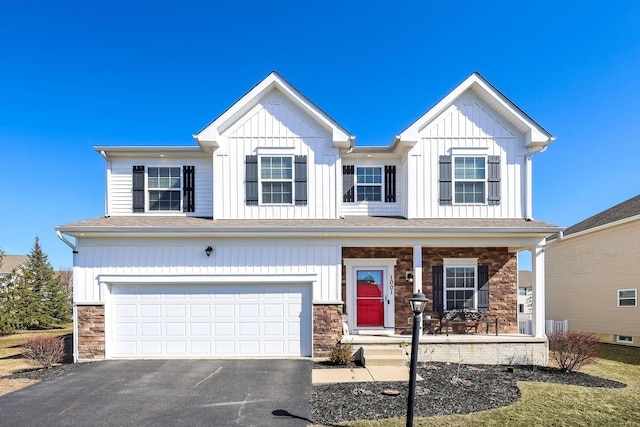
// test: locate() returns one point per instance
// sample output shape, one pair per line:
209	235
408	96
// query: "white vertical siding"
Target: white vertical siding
236	257
468	126
119	193
276	124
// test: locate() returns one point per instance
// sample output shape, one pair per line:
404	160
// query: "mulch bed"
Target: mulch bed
446	389
43	374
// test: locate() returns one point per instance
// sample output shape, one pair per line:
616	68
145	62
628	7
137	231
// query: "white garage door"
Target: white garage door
210	320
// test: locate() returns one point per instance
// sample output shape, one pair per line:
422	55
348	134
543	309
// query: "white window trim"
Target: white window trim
625	339
635	298
454	181
356	184
148	190
460	262
291	180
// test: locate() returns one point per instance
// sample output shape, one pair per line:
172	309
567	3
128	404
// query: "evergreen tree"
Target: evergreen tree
9	319
41	298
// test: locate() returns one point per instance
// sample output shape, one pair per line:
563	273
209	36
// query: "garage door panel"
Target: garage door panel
210	320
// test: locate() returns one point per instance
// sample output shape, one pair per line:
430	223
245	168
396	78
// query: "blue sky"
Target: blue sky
75	74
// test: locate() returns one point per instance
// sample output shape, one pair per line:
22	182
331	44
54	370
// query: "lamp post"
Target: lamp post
418	302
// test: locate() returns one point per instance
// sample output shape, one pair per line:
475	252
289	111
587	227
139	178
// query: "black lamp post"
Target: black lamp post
418	302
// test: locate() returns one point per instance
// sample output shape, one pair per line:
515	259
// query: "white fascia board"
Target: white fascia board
536	136
150	151
210	135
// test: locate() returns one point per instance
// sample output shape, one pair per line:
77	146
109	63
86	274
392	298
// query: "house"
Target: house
274	234
591	272
525	305
8	263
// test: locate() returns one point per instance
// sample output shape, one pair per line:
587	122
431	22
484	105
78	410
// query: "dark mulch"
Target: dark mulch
446	389
43	374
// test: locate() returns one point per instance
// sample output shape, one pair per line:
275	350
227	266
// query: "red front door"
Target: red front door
370	298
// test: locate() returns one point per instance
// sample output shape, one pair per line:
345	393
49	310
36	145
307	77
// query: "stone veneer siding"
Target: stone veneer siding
327	328
90	331
503	280
403	289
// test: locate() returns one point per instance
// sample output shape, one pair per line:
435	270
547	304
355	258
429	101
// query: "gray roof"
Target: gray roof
9	262
350	223
621	211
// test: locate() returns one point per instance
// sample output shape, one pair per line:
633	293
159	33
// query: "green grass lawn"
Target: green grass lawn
11	359
544	404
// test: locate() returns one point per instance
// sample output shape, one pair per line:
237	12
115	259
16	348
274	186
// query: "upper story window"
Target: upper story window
369	184
163	189
469	179
164	185
276	180
276	175
627	297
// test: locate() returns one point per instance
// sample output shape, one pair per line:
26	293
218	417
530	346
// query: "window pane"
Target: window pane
276	192
627	302
276	168
369	193
164	200
469	192
627	294
369	175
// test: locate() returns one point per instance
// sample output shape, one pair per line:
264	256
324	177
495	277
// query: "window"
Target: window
276	174
522	291
460	284
164	186
627	297
624	338
520	308
469	179
369	184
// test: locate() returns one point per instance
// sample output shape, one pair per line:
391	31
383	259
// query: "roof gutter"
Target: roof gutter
67	242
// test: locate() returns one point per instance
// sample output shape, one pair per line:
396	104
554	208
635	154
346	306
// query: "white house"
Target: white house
274	227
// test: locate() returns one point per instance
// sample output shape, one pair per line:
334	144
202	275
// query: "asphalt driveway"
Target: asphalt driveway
262	392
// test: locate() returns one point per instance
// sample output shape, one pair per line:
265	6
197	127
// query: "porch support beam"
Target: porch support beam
538	314
417	274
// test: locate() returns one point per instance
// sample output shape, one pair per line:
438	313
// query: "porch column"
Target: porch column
538	312
417	274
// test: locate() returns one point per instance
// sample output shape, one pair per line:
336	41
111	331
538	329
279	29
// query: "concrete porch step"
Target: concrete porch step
383	356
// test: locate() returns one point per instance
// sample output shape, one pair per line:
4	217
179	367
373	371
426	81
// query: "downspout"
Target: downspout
106	193
67	242
528	197
74	249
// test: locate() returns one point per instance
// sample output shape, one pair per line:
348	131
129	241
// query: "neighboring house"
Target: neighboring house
274	234
592	275
525	295
10	263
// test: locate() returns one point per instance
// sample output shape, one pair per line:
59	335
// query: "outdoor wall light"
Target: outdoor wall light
208	250
418	302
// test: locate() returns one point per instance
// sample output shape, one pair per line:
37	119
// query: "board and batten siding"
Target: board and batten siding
381	208
583	275
119	192
468	127
275	127
186	257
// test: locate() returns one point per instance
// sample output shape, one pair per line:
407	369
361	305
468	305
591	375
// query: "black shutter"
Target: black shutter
251	180
437	274
301	180
138	189
188	188
445	180
390	183
347	183
493	164
483	287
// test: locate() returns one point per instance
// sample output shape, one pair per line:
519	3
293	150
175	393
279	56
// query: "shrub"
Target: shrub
341	354
44	351
572	350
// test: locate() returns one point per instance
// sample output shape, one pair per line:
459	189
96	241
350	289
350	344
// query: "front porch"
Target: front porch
504	349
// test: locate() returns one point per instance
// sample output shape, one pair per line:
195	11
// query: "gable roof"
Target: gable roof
208	137
625	210
536	137
9	262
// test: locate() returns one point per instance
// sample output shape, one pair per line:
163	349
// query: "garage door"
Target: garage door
210	320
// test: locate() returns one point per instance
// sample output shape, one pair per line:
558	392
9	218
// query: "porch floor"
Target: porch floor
443	339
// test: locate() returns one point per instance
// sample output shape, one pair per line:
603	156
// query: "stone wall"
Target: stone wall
327	328
503	280
90	332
